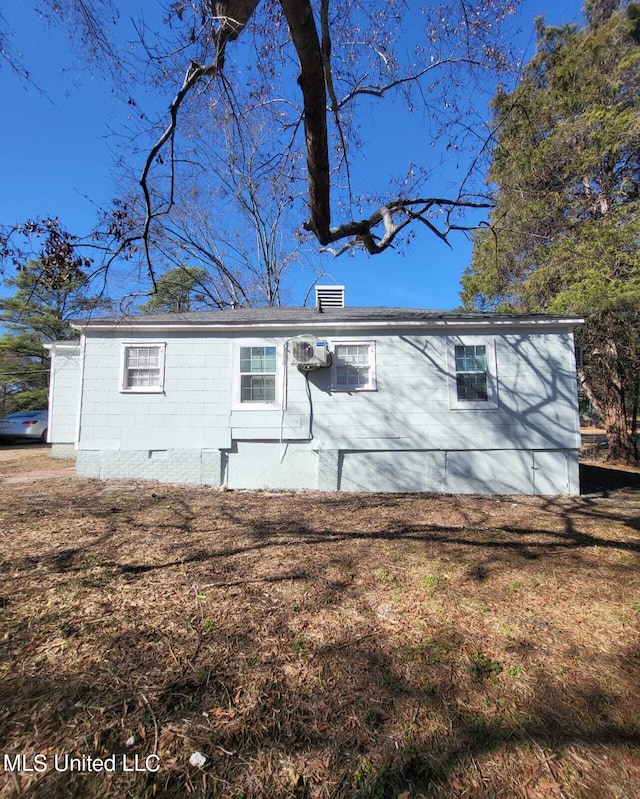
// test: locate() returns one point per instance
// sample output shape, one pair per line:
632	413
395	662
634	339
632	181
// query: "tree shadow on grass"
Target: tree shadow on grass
603	480
269	691
342	722
225	530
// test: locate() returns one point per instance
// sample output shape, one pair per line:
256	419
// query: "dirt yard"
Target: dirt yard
316	645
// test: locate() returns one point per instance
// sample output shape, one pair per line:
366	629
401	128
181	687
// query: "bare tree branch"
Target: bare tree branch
363	230
414	77
232	15
335	107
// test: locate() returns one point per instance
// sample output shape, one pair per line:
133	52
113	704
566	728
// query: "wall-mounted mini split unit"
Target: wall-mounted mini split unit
309	353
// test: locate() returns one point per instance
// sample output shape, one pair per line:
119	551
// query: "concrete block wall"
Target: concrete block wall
271	464
461	472
292	465
63	451
199	467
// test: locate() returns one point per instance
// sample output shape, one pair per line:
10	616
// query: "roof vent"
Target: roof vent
329	297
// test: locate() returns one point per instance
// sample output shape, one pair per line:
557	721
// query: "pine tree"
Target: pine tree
33	315
185	288
565	231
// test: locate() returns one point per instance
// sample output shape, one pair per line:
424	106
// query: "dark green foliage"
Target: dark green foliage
598	11
36	313
633	12
565	231
185	288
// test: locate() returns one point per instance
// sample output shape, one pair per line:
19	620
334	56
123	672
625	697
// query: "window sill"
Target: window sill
142	391
256	406
474	405
353	389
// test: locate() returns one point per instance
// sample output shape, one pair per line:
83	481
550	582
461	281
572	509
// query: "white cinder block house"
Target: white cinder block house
329	398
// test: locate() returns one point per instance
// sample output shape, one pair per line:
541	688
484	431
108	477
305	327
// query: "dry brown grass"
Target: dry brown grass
319	645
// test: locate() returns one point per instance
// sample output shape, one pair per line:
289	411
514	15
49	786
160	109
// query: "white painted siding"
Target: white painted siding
536	392
401	437
64	396
192	412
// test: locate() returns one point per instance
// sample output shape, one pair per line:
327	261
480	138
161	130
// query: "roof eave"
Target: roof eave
332	324
63	345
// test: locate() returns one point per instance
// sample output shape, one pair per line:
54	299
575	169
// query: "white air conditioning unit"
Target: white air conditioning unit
309	353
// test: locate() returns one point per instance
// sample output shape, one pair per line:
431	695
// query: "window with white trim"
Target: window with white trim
472	373
353	366
142	368
258	374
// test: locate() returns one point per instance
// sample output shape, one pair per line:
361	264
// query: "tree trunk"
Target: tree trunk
634	415
304	34
603	385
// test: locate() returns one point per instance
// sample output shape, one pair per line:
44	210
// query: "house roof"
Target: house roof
285	317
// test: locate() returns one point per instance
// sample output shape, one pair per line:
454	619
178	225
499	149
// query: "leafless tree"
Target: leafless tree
233	216
307	67
343	52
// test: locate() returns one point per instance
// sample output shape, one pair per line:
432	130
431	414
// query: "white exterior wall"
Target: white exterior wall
401	437
64	396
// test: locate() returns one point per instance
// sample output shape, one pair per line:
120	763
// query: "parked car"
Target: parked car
25	426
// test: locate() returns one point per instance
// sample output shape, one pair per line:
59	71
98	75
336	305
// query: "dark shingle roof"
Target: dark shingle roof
288	315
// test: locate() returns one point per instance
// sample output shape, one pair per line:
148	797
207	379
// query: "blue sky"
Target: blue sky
57	150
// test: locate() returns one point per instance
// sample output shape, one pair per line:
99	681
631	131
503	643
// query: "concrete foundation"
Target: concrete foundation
295	466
